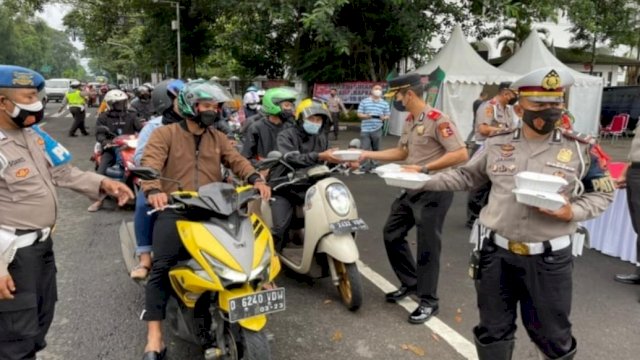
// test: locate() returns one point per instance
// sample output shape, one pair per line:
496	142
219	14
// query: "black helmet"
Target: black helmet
163	94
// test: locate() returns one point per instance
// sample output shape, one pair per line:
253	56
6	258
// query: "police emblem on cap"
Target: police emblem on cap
551	80
22	79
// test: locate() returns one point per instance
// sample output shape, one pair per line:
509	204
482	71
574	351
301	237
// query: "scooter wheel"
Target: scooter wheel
349	284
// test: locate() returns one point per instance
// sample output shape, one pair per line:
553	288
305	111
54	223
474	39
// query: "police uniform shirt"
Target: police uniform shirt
429	137
634	153
493	114
506	154
28	199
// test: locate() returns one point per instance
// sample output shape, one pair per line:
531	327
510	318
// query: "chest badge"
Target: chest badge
420	130
564	155
22	173
506	150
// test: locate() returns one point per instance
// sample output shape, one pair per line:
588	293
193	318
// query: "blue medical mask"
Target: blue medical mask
311	128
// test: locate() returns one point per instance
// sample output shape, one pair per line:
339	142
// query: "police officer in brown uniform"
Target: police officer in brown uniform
32	164
526	254
631	179
430	142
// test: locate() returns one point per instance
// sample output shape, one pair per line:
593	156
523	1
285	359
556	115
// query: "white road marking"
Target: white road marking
459	343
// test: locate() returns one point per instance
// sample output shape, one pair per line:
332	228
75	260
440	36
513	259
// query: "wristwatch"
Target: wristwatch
424	170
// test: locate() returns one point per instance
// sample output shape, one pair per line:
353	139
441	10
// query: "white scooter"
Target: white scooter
328	223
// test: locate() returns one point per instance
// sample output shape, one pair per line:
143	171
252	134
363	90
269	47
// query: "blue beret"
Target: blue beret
12	76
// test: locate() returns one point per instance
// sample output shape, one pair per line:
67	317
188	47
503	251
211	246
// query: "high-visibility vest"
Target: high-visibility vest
74	98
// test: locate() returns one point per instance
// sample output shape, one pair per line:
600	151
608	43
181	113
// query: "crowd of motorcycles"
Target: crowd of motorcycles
224	292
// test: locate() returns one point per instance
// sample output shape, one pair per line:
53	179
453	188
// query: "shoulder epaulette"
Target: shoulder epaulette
503	132
580	137
434	114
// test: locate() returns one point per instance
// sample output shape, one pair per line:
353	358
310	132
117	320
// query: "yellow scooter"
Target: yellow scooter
219	301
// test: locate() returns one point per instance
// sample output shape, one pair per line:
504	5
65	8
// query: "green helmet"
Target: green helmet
273	97
200	90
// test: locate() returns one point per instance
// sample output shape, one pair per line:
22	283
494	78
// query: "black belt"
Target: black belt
635	165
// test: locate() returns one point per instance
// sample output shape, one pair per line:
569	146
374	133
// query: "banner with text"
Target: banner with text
349	92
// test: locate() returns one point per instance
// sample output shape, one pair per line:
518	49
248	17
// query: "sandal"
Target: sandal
140	272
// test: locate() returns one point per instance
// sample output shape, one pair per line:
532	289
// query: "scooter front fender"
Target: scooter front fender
341	247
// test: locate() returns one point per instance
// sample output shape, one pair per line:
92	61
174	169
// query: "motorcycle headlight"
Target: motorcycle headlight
338	197
224	271
264	264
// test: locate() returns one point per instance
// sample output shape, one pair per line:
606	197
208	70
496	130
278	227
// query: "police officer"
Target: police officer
431	142
76	100
526	252
31	165
490	117
631	179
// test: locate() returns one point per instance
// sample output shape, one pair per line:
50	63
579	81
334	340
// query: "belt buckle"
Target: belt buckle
518	248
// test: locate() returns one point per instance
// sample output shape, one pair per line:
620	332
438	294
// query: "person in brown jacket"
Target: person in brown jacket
189	151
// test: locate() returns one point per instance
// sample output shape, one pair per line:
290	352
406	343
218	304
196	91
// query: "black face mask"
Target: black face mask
119	106
206	118
397	104
22	112
550	117
513	101
287	115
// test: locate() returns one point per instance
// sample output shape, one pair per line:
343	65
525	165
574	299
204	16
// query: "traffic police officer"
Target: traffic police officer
76	101
31	164
430	142
526	252
492	116
631	178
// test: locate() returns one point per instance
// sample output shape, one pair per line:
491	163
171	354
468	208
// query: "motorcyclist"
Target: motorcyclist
117	120
142	104
165	102
251	101
190	152
278	114
305	145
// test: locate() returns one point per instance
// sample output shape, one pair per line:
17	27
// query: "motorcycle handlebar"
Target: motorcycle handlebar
172	206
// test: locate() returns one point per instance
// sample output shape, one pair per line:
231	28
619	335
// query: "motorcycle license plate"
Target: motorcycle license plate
263	302
347	226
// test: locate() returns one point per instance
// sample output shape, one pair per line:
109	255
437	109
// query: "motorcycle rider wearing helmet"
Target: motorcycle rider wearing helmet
191	152
261	136
142	104
165	102
312	145
76	101
117	120
251	101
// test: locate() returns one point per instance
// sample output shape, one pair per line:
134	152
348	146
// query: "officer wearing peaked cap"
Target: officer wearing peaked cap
430	142
524	253
32	164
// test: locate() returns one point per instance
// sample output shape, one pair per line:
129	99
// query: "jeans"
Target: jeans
370	141
143	224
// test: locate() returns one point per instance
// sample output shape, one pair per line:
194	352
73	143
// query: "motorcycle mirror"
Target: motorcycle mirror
146	173
275	155
289	154
354	144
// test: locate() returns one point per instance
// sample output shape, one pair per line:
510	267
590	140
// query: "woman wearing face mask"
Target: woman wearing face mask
309	140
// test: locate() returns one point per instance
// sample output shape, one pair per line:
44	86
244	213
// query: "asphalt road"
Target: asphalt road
98	308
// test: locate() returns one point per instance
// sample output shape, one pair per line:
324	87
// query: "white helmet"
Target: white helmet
114	96
74	83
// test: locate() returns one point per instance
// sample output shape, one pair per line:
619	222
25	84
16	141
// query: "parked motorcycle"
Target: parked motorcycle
327	222
219	299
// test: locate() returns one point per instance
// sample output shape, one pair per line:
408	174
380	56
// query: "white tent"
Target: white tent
466	73
585	96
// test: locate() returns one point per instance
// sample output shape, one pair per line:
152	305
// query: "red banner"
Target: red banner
349	92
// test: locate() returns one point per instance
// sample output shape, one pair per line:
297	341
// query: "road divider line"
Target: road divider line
459	343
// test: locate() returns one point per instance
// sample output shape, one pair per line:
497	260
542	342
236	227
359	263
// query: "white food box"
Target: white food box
544	200
412	181
528	180
387	168
347	155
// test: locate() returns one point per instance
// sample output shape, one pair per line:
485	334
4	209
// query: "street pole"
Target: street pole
178	38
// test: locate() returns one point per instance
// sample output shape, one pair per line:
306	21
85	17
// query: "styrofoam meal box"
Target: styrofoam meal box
412	181
347	155
529	180
545	200
392	167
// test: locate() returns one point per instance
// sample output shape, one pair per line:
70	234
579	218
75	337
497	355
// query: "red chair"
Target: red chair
616	128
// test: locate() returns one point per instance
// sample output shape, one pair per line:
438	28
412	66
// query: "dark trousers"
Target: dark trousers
540	283
167	251
25	320
476	200
335	119
633	200
427	211
108	158
78	120
282	211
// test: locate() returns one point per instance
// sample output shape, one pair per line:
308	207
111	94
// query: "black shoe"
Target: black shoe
400	294
633	279
422	314
154	355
